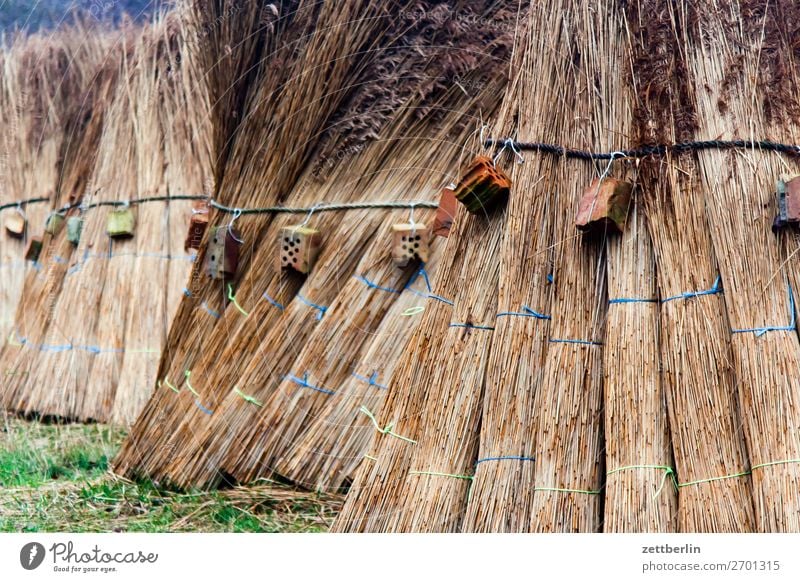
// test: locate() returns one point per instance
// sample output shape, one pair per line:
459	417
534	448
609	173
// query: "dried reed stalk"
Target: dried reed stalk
740	205
500	498
78	87
243	336
326	455
248	451
695	347
640	492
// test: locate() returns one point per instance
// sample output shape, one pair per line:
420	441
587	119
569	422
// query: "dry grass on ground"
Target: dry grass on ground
55	478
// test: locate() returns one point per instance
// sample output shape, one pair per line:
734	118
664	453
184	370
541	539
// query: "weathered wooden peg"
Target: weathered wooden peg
222	254
16	224
34	249
482	186
604	206
54	224
197	225
121	223
411	243
788	202
74	229
299	248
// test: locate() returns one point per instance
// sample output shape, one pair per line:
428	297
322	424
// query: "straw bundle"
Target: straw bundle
695	347
89	76
740	205
333	444
297	92
244	336
639	494
71	343
249	449
500	497
139	287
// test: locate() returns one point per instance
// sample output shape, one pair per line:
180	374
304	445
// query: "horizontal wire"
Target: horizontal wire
647	150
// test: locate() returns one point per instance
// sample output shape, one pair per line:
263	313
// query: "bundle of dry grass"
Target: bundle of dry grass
340	429
695	346
298	89
740	204
173	138
85	72
371	104
500	497
44	77
640	495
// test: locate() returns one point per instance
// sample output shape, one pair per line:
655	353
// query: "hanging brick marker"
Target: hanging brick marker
604	206
34	249
411	243
299	248
15	225
222	255
482	186
445	213
788	202
197	225
74	229
121	223
54	224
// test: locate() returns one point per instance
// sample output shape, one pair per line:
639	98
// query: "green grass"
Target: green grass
55	478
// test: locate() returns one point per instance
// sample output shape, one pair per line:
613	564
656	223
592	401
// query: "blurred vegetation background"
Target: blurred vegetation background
33	15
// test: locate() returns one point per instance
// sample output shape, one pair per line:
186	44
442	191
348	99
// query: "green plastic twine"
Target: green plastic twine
189	385
709	480
232	297
435	474
388	429
762	465
668	472
249	399
559	490
412	311
170	386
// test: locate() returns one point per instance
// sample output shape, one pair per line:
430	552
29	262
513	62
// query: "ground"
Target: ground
55	478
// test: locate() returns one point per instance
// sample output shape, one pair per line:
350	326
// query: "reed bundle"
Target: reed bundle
338	435
640	495
137	284
297	91
248	448
244	336
740	204
695	336
75	311
74	89
500	497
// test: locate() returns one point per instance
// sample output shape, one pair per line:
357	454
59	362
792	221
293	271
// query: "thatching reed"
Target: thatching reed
339	431
385	81
740	204
106	311
695	336
640	492
74	89
44	80
298	89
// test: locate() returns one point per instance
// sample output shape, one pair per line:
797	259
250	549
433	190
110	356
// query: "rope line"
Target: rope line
647	150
